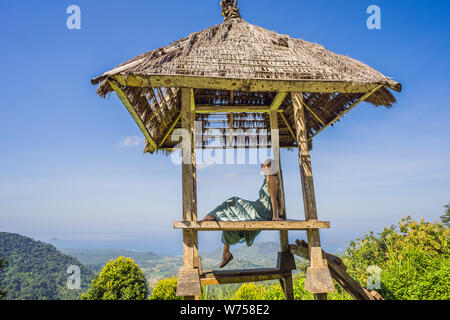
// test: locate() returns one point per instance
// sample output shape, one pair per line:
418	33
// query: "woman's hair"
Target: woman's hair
267	163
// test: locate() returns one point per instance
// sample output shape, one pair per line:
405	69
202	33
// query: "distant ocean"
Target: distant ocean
173	248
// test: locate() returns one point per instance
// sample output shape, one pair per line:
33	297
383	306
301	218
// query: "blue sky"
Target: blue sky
69	168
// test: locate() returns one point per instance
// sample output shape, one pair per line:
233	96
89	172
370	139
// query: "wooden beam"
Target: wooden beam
248	85
127	103
250	225
278	100
363	98
275	144
189	284
320	119
289	127
170	130
190	238
232	109
241	276
286	282
309	199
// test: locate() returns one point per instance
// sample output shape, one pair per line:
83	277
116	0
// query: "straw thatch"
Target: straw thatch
236	49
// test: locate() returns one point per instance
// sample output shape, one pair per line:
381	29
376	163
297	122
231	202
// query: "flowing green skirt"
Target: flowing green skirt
237	209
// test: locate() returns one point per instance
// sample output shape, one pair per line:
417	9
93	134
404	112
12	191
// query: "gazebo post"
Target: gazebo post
286	261
318	278
189	276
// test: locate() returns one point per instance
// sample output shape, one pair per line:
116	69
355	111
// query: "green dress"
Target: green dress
237	209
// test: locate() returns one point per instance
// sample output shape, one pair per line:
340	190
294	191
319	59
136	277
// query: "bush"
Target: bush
248	291
419	278
273	292
414	258
120	279
165	289
299	288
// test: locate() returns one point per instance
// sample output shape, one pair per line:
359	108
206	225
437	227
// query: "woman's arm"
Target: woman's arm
273	191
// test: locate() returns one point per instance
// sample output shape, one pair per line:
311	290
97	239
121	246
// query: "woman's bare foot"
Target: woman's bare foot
209	217
226	258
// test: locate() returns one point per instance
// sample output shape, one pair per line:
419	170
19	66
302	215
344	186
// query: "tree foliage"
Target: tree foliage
165	289
120	279
37	270
414	259
3	265
249	291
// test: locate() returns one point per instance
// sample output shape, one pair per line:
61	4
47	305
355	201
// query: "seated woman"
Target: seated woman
266	208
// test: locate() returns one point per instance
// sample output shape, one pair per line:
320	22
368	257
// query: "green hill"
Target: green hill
95	259
37	270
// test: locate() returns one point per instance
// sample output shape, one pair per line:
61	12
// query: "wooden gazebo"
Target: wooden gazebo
231	78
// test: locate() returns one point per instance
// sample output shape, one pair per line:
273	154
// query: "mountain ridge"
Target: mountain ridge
37	270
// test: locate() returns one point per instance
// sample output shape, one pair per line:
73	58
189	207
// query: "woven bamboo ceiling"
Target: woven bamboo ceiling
240	69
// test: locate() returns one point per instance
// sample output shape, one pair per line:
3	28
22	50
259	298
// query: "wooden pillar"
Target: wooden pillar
286	282
318	273
189	278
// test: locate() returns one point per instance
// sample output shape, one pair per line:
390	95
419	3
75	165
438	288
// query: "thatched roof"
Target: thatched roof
236	64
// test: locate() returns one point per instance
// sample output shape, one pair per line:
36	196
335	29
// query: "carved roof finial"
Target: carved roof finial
230	9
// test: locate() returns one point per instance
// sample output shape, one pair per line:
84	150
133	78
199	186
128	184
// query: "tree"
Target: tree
446	217
3	265
120	279
165	289
414	259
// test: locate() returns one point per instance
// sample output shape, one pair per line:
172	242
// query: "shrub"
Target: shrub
165	289
120	279
273	292
248	291
299	288
414	258
418	277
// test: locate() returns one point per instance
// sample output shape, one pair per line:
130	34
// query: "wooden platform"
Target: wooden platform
251	225
242	276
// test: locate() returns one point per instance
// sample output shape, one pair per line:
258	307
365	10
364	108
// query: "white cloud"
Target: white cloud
230	177
132	141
